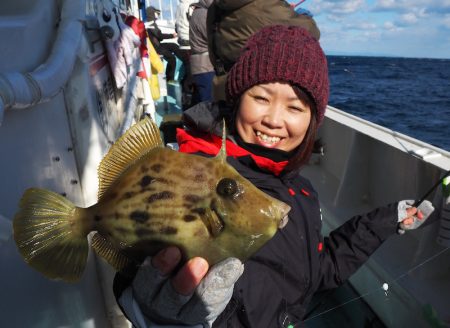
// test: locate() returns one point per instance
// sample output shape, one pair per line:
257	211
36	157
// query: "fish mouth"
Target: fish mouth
213	221
283	222
284	211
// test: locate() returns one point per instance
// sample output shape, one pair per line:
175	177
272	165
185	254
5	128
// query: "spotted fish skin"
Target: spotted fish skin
149	197
163	198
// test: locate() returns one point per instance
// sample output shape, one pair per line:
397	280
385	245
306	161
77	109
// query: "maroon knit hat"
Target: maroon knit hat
282	53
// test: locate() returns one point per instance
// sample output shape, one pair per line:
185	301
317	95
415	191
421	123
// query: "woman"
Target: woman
279	91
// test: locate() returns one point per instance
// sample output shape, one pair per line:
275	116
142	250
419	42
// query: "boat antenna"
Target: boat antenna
421	199
298	3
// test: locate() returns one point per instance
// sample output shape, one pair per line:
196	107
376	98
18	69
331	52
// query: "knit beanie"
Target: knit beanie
282	54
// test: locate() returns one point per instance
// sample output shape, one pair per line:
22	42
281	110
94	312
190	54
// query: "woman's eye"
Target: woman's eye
260	99
227	187
296	109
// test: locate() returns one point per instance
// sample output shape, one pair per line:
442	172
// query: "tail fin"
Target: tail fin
49	235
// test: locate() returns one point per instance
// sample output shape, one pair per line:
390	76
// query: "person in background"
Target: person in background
184	10
277	93
168	50
231	22
201	68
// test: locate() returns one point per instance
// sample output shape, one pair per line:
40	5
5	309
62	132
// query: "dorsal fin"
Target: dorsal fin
132	145
222	154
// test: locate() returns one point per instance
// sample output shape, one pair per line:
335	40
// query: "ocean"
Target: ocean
408	95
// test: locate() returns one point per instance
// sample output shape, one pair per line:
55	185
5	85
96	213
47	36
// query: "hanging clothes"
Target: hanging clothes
121	53
139	29
145	72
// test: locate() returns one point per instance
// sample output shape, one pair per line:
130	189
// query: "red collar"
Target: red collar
211	144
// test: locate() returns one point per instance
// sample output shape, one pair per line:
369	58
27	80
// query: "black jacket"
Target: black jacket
154	33
280	279
283	275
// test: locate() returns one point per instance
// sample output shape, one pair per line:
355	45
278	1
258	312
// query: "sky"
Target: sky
401	28
405	28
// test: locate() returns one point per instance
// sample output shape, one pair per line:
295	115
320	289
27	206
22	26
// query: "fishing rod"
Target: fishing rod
420	200
326	294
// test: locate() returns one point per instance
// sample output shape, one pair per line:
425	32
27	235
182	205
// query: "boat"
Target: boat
60	111
362	166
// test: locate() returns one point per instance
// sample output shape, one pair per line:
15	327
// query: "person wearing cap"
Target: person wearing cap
169	50
277	95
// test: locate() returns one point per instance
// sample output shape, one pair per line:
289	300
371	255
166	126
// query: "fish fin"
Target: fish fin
132	145
49	236
111	254
213	223
222	155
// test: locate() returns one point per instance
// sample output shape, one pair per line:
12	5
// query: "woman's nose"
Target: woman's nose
274	116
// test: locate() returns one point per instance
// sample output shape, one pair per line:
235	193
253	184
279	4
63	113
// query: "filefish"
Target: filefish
149	197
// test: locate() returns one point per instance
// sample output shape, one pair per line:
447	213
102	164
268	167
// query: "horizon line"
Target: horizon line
348	54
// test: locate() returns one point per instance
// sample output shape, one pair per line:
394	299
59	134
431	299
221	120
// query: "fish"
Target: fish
149	197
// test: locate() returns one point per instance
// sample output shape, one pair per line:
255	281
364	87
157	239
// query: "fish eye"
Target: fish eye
227	187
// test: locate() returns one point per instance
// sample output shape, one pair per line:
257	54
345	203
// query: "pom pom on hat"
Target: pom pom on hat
282	53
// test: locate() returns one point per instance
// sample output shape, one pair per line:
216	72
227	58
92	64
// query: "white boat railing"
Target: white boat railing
420	149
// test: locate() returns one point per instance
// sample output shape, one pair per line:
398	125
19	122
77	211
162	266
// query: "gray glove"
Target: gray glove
159	301
425	207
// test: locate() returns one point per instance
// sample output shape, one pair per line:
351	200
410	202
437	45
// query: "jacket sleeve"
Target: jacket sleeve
156	32
349	246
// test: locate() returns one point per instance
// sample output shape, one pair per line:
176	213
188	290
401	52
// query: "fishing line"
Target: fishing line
383	289
385	285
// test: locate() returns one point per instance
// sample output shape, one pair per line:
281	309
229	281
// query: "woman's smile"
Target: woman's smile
267	140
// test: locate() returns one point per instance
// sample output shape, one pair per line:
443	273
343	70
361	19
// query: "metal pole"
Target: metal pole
161	8
171	11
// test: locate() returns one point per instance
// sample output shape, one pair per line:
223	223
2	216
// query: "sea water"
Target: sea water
408	95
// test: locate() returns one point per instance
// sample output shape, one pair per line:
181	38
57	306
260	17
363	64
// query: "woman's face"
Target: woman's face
271	115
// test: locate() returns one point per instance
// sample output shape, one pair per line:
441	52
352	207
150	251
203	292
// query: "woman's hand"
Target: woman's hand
410	213
411	217
188	277
192	295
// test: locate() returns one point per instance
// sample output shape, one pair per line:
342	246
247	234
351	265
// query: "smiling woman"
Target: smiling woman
277	94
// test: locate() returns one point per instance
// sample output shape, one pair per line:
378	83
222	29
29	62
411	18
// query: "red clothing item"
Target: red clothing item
139	28
211	144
